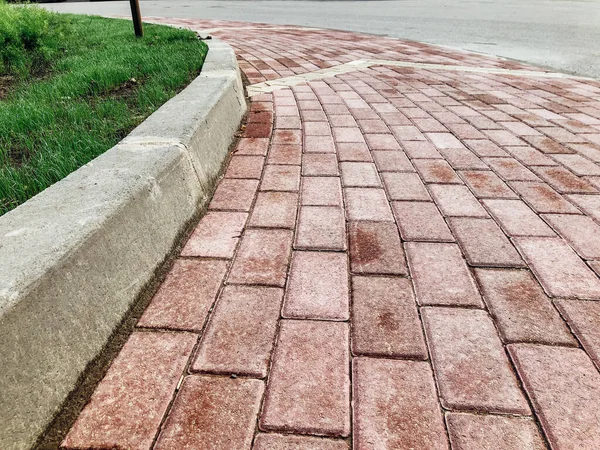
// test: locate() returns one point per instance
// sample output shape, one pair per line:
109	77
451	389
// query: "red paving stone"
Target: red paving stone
521	309
396	406
421	221
273	441
352	171
375	248
583	318
516	218
309	385
440	275
471	367
216	236
262	258
212	413
235	195
367	204
405	186
486	432
486	184
321	228
484	243
456	201
385	321
240	335
317	287
185	297
274	210
581	232
128	405
558	268
563	385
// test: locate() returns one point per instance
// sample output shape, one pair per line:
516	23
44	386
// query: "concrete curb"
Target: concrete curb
75	257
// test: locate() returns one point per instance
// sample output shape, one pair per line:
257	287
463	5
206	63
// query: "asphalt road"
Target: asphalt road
560	34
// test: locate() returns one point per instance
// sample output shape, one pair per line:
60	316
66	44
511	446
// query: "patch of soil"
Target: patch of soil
6	81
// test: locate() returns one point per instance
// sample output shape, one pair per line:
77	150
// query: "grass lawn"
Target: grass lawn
72	86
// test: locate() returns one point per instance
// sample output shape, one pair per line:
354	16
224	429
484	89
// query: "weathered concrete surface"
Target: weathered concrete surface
75	257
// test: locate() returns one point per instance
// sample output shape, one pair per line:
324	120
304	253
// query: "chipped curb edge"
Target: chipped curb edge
74	258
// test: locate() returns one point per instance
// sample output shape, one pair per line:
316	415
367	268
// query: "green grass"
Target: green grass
83	85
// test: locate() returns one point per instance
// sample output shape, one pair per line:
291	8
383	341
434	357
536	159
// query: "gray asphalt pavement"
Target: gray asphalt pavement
560	34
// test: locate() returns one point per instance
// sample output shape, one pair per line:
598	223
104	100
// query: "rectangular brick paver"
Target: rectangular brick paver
581	232
243	166
396	406
234	195
321	228
456	201
558	268
484	243
440	275
521	309
385	321
274	210
564	181
319	164
421	221
280	178
185	297
240	334
309	387
542	198
486	184
321	191
375	248
285	154
318	286
274	441
405	186
359	174
583	318
128	405
367	204
589	204
262	258
392	161
471	368
517	218
564	386
487	432
436	171
216	236
212	413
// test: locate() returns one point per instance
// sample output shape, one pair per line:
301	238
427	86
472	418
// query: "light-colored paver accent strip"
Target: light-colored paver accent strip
360	64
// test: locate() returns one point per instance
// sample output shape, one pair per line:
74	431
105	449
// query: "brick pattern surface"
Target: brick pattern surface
395	257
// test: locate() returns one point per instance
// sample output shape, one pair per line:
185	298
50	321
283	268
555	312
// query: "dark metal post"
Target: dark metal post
137	18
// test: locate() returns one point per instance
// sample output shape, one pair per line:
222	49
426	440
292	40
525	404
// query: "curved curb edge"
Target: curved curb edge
75	257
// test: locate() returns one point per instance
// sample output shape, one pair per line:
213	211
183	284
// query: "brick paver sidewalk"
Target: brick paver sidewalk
399	256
